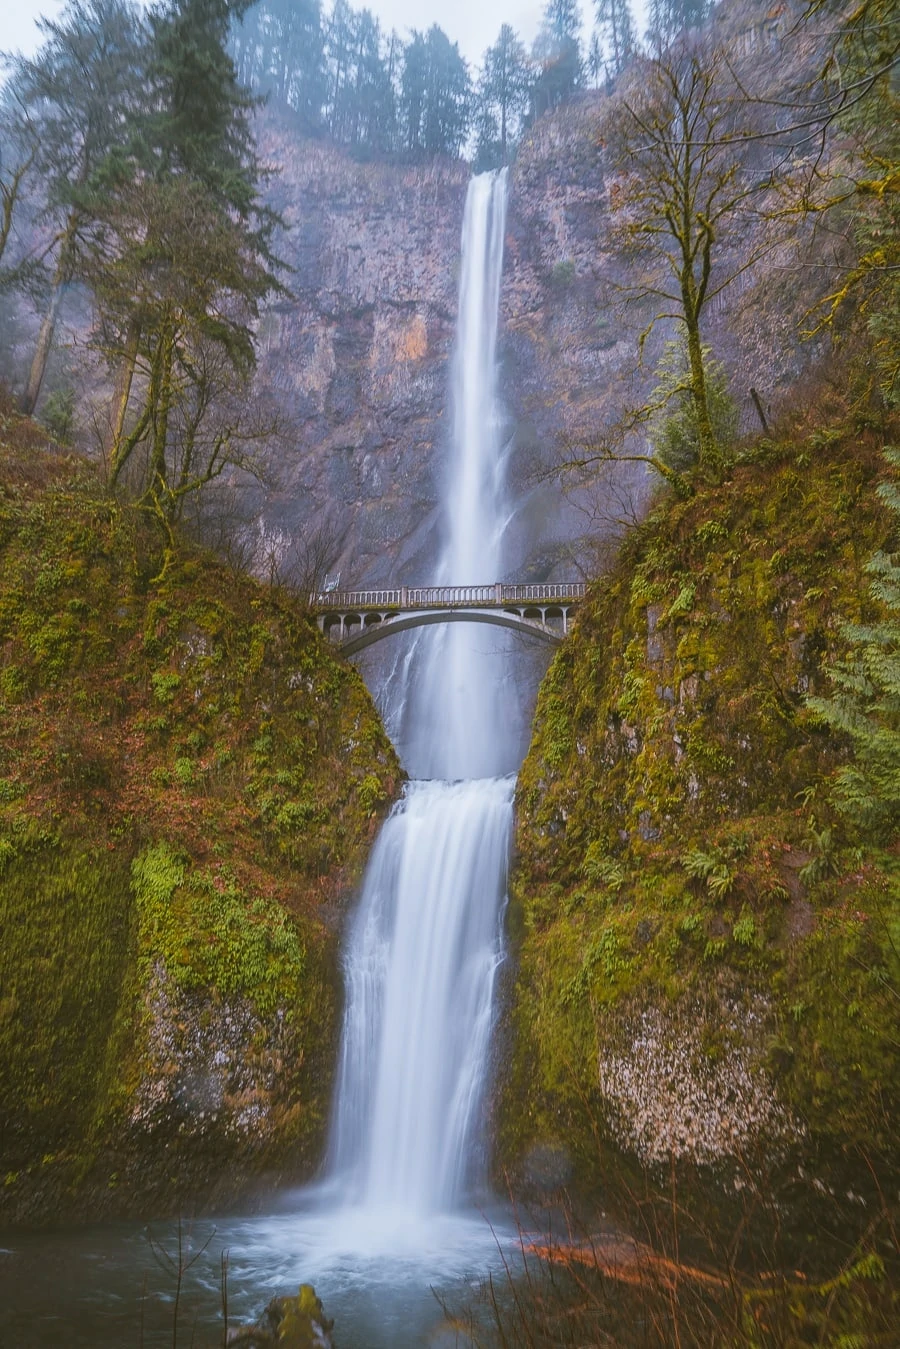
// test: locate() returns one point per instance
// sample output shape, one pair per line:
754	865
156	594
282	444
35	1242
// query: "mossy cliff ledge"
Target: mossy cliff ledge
707	965
189	782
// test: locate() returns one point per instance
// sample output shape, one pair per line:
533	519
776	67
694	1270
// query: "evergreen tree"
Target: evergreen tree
674	430
557	48
501	99
183	256
414	92
596	66
616	33
340	55
19	146
370	94
667	18
76	93
436	95
866	703
295	69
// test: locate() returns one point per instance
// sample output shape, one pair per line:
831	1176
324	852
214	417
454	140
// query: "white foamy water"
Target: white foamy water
393	1225
420	966
425	944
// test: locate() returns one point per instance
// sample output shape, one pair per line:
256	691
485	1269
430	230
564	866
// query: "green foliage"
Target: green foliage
371	793
563	273
205	715
166	684
603	870
866	704
744	930
435	92
501	99
665	849
67	937
712	868
605	958
207	933
59	414
674	432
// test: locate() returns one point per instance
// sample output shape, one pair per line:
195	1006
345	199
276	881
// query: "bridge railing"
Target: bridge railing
429	597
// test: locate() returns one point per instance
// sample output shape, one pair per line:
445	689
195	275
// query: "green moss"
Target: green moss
209	934
68	937
187	774
666	842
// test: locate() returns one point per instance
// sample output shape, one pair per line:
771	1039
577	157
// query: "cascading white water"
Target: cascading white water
389	1230
426	941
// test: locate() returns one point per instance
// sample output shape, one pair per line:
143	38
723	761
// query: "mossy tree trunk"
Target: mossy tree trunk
62	276
674	142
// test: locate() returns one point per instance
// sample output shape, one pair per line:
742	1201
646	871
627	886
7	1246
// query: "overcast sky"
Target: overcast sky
474	24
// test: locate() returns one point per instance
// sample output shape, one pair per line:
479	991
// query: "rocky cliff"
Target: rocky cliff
188	786
707	973
356	360
359	358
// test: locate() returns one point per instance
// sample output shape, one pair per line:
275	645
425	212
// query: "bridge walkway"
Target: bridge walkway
354	619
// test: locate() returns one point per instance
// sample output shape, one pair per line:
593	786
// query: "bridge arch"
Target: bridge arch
371	632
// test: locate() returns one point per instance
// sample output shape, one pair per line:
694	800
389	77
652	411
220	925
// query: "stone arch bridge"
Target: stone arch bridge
354	619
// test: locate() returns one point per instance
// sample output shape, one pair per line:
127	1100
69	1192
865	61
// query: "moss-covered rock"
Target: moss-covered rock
189	781
708	971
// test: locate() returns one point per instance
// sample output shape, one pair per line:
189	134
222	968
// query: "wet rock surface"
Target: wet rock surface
292	1322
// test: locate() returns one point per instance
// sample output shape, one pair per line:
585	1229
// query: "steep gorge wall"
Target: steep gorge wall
704	977
189	784
358	359
355	361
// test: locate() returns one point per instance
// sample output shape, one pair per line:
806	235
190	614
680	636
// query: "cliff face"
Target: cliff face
188	786
697	952
359	358
355	363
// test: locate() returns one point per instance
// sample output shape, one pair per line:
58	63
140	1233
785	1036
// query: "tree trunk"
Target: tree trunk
709	453
158	476
62	277
122	394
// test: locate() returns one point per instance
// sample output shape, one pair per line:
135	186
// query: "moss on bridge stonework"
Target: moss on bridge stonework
707	966
189	782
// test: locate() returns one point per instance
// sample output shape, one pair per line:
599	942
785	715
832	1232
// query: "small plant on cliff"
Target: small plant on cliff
675	430
866	703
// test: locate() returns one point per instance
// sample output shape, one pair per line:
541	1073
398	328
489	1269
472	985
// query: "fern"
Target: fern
712	868
865	705
602	870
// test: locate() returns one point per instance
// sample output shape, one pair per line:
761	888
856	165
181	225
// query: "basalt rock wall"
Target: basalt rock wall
358	357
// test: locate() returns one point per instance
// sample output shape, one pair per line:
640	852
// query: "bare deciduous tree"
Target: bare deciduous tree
682	189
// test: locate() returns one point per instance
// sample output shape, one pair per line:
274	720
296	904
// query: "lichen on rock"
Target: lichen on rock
672	1097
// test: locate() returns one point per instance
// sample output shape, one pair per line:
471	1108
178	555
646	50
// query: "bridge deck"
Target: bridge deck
448	597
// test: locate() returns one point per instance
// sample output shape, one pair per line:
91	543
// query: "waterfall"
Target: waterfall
426	941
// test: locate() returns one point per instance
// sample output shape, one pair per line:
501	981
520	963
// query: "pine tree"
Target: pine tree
436	95
76	93
295	66
183	257
19	148
667	18
866	703
501	99
413	92
557	48
617	36
673	431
